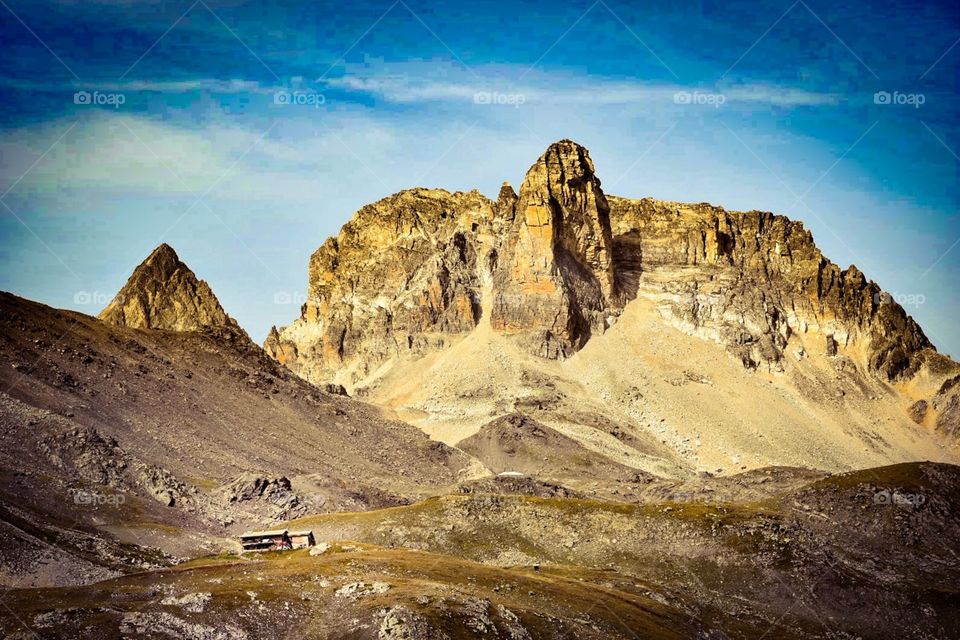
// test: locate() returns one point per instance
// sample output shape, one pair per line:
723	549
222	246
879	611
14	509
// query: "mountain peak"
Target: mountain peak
165	252
555	284
163	293
568	159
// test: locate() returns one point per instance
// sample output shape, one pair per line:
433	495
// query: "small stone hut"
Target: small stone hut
275	540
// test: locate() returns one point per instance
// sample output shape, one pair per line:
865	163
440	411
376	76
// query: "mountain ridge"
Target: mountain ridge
424	274
714	245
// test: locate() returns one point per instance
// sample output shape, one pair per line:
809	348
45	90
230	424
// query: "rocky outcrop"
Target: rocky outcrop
751	279
946	403
163	293
553	267
268	496
403	277
283	351
554	284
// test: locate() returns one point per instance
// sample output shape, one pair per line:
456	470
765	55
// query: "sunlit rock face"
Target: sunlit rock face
553	267
554	285
750	279
163	293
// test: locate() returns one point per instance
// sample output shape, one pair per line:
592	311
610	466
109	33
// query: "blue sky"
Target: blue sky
760	105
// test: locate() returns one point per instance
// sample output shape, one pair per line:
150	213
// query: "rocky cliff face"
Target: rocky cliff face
554	284
751	280
553	268
402	276
163	293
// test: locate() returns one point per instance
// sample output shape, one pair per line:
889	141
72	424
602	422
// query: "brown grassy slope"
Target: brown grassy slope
296	595
830	552
89	407
824	560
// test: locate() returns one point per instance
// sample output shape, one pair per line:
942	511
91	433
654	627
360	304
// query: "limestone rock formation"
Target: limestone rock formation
946	405
163	293
283	351
414	271
554	267
403	276
555	282
750	279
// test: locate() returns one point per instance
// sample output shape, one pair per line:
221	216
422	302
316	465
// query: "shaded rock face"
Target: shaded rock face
555	279
946	403
553	267
163	293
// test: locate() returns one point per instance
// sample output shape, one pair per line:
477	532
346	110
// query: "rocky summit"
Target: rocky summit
163	293
554	284
412	270
555	266
577	307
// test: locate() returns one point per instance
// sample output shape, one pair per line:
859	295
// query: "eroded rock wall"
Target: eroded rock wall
553	267
751	279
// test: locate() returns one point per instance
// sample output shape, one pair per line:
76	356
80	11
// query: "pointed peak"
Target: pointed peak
506	201
164	251
163	293
164	259
566	145
563	162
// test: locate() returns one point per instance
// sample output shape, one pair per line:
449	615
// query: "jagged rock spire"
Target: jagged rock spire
556	283
163	293
506	203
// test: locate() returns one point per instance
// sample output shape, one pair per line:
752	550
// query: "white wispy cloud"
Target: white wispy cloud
416	83
412	88
186	85
213	85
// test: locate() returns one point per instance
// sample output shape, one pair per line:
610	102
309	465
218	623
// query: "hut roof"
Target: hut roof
264	534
